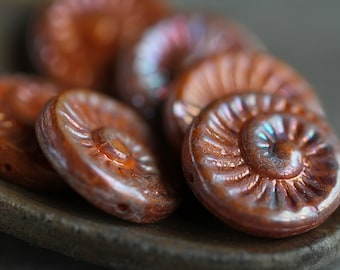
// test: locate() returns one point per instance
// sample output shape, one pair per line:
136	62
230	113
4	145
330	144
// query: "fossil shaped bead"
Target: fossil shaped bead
147	68
76	41
21	160
226	74
263	164
106	153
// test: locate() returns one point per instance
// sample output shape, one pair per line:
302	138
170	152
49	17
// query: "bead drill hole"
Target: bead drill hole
6	167
123	208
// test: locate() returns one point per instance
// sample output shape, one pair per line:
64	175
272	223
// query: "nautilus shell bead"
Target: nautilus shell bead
76	41
147	68
229	73
105	152
263	164
21	160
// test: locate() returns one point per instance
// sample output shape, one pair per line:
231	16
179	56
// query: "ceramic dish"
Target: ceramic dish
189	239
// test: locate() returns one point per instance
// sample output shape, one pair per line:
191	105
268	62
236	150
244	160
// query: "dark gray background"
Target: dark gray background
306	34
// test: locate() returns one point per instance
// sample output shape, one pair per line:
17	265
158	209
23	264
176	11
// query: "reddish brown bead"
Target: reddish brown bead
21	161
75	41
263	164
147	68
105	152
230	73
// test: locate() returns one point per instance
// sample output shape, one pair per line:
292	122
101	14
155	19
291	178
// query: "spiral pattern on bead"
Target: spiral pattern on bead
90	123
106	153
229	73
268	165
75	41
158	57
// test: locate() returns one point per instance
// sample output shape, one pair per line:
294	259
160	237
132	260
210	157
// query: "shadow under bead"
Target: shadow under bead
263	164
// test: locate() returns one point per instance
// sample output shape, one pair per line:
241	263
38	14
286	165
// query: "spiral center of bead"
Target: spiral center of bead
288	157
112	144
268	149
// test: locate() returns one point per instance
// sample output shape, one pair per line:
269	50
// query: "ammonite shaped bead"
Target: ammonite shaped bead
147	68
105	152
263	164
21	160
229	73
75	41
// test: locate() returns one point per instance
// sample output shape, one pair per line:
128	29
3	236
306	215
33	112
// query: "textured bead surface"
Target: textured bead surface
75	41
105	152
21	160
148	67
230	73
263	164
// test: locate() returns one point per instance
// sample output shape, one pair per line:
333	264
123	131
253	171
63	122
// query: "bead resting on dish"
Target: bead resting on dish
21	160
105	152
257	152
263	164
